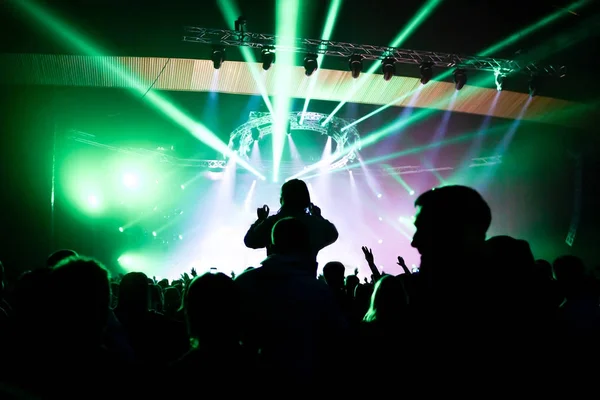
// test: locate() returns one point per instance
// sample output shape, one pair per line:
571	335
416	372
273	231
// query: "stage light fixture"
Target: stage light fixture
499	80
426	69
255	134
218	56
388	67
268	57
460	78
533	86
356	65
240	24
310	64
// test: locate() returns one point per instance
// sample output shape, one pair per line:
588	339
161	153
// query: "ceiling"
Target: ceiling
236	78
142	29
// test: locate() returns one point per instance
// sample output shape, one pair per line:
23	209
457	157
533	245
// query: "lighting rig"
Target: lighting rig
357	53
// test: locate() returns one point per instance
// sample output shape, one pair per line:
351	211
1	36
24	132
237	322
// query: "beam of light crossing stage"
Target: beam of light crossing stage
501	45
425	11
287	20
231	12
83	45
414	150
332	13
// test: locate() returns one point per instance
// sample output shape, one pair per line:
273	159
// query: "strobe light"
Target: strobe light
310	64
268	58
355	64
426	70
218	56
460	78
388	67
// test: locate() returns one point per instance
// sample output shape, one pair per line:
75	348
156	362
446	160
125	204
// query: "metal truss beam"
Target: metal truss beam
287	168
231	38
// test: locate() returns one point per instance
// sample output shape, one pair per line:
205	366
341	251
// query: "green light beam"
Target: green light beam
414	150
286	25
81	44
231	12
508	41
332	13
424	12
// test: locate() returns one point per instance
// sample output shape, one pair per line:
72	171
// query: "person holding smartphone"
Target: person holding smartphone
295	202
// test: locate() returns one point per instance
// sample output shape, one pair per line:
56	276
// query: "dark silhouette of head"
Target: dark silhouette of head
513	255
157	300
507	258
450	220
58	256
211	306
568	269
134	293
334	273
352	282
290	236
388	302
80	300
294	196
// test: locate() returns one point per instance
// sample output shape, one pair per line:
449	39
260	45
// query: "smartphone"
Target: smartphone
414	270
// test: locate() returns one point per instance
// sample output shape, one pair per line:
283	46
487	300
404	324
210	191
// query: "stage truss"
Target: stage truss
229	38
161	155
260	124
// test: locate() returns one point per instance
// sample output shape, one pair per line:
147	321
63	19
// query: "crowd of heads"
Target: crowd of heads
70	328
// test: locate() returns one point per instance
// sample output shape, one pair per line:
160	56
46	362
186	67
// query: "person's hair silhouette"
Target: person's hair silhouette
450	218
290	236
211	306
294	196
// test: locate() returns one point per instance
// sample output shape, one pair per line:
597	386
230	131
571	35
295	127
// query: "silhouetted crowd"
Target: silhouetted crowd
480	316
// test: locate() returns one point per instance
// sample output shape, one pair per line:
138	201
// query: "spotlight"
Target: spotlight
379	195
412	192
310	64
218	56
460	78
121	229
355	64
240	24
255	134
154	234
426	69
380	241
268	58
499	80
388	66
533	86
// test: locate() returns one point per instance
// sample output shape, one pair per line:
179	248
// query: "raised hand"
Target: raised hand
262	212
368	254
355	271
185	277
403	265
193	272
314	210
